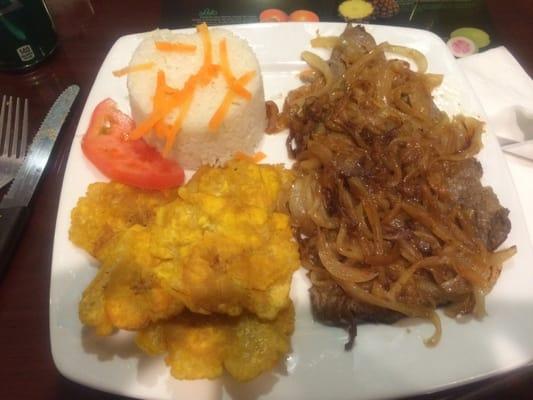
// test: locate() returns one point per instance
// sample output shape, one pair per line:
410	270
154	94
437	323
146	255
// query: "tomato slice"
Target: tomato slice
132	162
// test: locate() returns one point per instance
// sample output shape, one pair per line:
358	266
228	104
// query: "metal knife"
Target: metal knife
14	207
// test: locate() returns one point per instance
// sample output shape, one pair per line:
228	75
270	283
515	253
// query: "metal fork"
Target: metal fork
13	137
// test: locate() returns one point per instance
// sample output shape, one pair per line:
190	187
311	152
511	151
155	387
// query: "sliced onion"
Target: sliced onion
375	224
352	250
319	64
385	259
344	271
435	338
326	42
299	203
501	256
419	58
408	273
479	310
357	293
406	309
433	81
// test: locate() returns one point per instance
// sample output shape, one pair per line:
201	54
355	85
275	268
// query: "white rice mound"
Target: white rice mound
245	122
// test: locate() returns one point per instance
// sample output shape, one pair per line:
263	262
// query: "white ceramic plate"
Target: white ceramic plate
387	361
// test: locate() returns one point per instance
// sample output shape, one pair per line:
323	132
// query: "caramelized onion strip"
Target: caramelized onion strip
419	58
322	66
346	271
326	42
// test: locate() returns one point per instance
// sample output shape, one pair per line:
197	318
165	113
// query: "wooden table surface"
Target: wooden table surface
87	29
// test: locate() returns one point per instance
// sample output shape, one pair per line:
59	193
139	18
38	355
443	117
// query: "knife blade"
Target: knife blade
14	207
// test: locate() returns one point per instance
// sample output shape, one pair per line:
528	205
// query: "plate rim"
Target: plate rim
56	356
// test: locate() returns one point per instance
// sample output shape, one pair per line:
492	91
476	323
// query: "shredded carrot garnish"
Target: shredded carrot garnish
167	98
206	41
222	110
157	115
208	69
175	47
220	113
252	158
228	75
133	68
246	78
240	90
141	129
187	95
224	61
161	129
159	90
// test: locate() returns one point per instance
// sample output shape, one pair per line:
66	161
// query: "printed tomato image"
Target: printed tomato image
273	15
303	16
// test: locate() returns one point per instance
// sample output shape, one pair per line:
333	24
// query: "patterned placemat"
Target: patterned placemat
441	17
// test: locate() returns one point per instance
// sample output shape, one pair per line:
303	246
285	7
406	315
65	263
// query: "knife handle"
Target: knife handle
12	223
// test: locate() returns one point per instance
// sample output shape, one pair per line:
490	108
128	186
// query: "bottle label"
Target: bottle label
26	53
7	6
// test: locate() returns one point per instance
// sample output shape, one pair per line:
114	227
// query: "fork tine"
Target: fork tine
2	112
24	136
15	135
7	141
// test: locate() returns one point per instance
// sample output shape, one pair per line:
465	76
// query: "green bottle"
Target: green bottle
27	34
